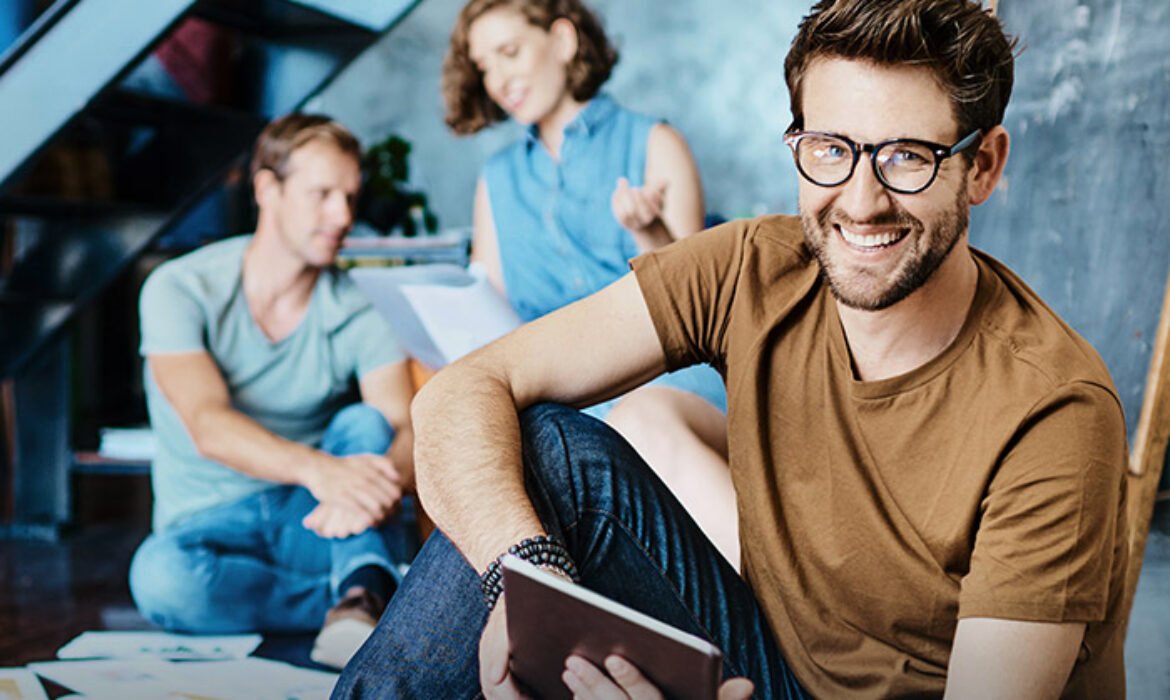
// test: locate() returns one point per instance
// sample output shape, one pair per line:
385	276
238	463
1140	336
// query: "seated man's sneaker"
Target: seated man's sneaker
347	625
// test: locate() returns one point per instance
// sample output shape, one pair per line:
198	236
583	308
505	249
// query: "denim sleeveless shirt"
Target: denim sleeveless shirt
557	235
558	238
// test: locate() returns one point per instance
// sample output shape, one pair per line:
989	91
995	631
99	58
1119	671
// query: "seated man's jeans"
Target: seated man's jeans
632	541
251	566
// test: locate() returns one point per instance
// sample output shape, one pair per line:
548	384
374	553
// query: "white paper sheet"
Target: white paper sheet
253	678
139	679
20	684
236	679
158	645
439	312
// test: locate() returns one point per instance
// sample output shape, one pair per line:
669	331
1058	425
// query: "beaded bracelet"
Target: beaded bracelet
542	550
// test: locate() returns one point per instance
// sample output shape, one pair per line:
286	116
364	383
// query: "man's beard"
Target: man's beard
912	272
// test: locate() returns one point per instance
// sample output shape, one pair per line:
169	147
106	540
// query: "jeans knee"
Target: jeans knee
169	587
358	429
573	461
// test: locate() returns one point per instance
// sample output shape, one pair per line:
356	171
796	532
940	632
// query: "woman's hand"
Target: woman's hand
637	209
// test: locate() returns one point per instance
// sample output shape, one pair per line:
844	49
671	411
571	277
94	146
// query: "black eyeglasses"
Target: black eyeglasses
905	166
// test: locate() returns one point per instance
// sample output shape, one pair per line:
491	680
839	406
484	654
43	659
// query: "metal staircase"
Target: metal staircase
117	119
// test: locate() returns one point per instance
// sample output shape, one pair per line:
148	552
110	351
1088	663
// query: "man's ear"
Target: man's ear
990	159
266	187
564	33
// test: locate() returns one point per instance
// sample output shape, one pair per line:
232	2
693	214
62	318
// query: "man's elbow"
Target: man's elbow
209	441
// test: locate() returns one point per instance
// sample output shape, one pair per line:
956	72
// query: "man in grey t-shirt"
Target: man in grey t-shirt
276	490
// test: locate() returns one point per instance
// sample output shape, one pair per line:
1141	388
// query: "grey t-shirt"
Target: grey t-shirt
292	387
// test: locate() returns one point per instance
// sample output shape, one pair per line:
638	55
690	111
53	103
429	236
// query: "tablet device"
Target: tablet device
550	618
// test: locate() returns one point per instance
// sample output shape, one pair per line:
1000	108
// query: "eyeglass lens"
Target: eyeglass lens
828	161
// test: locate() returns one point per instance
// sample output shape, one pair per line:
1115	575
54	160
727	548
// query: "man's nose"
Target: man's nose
863	195
340	210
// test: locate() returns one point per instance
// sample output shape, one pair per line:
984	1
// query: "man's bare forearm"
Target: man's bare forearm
240	443
468	461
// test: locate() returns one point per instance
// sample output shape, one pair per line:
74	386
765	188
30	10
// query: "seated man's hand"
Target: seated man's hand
334	522
494	677
587	681
366	484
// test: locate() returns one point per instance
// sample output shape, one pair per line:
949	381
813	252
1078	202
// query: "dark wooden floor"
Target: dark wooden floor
52	591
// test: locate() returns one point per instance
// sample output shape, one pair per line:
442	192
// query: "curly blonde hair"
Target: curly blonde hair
469	109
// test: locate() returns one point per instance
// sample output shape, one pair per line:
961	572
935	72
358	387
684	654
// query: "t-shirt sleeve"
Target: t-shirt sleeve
369	342
689	287
171	318
1052	518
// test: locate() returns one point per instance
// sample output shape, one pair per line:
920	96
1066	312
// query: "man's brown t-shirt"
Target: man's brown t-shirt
988	482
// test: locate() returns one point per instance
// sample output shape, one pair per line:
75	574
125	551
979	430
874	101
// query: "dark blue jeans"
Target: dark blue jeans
632	542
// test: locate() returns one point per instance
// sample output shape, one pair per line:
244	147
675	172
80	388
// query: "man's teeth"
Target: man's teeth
875	240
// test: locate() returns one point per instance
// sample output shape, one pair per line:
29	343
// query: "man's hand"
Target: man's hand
333	522
366	484
587	681
638	209
495	679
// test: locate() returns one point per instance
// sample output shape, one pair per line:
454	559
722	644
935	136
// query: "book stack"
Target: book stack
133	444
452	247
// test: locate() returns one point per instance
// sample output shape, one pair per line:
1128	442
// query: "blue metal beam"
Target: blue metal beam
83	53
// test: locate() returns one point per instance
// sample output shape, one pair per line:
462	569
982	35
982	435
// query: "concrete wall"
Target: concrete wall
1082	214
690	62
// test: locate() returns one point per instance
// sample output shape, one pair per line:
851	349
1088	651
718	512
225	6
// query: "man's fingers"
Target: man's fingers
333	522
624	681
375	468
365	503
637	686
493	651
380	466
736	689
587	682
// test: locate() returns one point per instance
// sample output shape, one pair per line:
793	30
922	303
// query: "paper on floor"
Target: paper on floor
20	684
158	645
237	679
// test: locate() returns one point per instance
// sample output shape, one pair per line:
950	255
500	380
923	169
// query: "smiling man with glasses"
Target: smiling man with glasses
929	464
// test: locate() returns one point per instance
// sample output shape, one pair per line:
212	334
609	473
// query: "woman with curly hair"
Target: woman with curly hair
559	213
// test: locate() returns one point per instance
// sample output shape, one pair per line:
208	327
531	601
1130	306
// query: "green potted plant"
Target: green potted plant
386	203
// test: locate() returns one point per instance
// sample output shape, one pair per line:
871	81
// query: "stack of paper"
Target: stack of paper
158	645
20	684
235	679
127	443
439	312
162	666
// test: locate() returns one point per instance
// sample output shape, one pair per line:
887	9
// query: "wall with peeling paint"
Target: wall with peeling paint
1083	211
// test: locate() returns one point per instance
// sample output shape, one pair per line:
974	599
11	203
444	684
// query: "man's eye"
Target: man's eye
908	157
830	151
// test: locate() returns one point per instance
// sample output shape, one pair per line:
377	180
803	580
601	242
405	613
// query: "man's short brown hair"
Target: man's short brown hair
282	136
963	44
469	109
